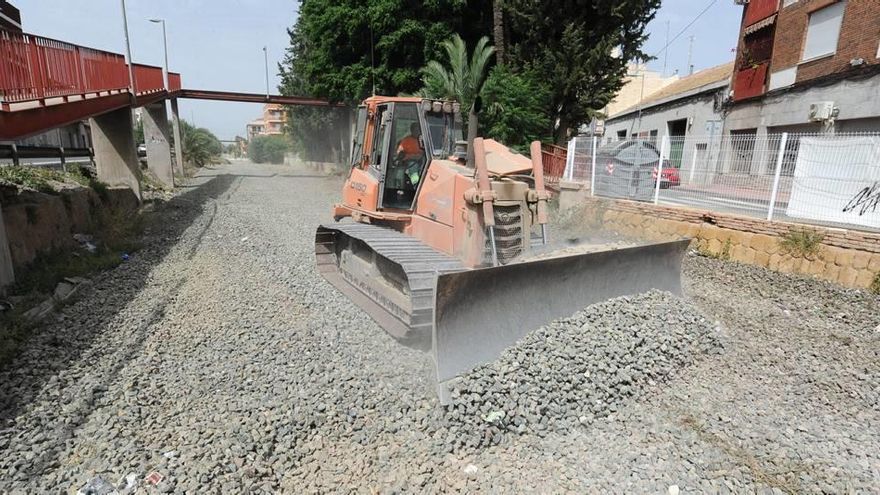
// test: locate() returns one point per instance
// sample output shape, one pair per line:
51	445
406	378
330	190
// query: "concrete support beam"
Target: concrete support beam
157	137
178	144
116	151
7	274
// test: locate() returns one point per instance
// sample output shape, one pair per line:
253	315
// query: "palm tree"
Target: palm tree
498	29
462	80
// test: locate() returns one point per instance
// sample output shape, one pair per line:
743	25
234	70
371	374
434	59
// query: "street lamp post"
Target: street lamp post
266	60
128	53
175	112
165	43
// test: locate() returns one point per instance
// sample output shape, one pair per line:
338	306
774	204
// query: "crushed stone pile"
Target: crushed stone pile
577	369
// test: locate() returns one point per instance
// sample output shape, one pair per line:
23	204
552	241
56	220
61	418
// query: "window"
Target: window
357	146
823	31
621	135
445	130
406	158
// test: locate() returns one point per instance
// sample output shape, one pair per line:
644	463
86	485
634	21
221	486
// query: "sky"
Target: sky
218	44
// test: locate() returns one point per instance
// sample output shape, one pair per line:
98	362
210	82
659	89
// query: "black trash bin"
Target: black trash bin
626	169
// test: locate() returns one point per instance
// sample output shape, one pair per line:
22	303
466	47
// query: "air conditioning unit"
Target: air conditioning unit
822	110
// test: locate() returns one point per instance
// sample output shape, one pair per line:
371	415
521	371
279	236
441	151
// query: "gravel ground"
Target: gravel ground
219	359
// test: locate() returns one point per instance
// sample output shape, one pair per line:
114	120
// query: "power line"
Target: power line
695	19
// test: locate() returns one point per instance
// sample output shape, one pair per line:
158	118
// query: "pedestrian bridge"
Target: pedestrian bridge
47	83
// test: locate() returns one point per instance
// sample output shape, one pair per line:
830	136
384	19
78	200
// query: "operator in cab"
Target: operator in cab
410	154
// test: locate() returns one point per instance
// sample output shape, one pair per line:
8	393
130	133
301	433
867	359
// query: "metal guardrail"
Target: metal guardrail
19	154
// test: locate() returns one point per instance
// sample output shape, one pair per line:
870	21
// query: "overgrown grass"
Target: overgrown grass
702	247
875	284
31	177
40	178
803	243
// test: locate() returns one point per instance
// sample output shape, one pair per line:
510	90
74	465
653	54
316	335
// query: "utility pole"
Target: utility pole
266	59
691	55
128	54
666	49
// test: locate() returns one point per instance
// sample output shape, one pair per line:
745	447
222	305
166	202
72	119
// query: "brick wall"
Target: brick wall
847	257
859	37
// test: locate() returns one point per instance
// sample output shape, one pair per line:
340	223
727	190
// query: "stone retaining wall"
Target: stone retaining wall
37	222
847	257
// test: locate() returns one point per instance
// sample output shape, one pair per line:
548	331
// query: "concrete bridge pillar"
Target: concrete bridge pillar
157	137
116	151
178	144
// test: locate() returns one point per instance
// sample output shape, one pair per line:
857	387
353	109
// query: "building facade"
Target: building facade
271	123
691	107
639	83
274	119
807	66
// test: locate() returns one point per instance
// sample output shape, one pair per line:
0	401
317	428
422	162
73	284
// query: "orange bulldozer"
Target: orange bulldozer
436	248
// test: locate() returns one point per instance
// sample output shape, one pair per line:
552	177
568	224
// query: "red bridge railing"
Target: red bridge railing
148	78
174	81
35	68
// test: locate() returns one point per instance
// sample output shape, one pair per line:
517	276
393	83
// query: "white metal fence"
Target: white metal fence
822	179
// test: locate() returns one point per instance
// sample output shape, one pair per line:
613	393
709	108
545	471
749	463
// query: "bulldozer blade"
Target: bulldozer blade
479	313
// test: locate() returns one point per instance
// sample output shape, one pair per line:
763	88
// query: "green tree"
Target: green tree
346	50
581	49
515	108
339	48
200	146
268	149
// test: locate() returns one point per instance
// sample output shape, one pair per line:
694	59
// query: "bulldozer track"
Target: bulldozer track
419	263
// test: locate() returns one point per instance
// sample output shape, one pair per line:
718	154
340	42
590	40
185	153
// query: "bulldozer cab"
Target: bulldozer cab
406	135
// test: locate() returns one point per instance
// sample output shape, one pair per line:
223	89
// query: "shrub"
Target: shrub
200	146
802	243
268	149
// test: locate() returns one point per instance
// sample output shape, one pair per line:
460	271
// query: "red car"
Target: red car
670	177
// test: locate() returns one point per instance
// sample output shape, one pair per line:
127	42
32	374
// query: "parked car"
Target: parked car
142	154
670	177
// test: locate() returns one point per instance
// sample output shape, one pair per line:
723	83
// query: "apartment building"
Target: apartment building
271	123
806	66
